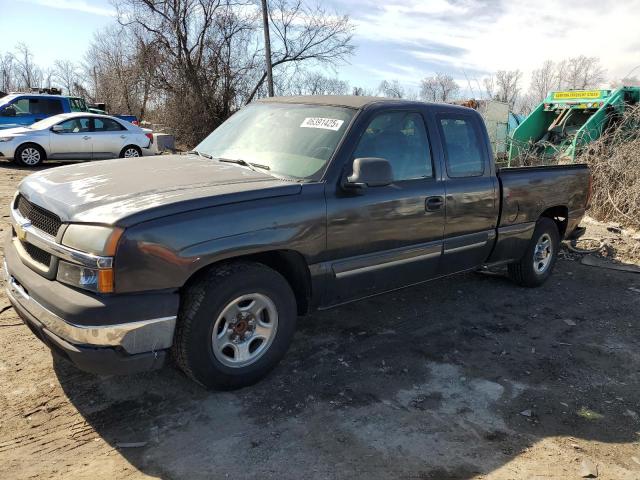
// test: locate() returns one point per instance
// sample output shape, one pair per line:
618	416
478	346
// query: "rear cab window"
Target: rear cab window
463	146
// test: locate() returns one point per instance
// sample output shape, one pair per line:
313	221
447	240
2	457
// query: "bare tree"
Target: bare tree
543	80
626	82
121	67
504	86
439	88
314	83
29	74
576	73
579	73
362	92
7	72
209	57
301	33
66	75
391	89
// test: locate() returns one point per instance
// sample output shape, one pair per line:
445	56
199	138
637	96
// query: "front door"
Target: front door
73	142
391	236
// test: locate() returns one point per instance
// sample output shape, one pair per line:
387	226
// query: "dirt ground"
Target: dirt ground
464	378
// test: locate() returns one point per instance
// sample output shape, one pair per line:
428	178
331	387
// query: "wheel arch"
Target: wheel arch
560	215
288	263
35	144
130	145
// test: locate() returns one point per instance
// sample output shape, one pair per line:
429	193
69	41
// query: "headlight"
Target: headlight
6	139
92	239
94	279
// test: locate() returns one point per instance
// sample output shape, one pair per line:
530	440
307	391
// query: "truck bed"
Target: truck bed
528	191
559	192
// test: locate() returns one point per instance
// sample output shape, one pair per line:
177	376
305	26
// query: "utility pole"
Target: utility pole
267	47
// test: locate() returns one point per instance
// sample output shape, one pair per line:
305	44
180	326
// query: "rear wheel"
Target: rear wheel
29	155
130	151
235	324
536	266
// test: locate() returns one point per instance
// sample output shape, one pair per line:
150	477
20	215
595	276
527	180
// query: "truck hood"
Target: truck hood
128	191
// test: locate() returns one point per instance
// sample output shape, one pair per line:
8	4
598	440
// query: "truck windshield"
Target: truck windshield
291	140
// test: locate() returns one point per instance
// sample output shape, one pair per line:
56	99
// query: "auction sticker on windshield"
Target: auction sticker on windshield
326	123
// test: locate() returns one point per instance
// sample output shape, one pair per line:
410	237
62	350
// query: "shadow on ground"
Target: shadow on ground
446	380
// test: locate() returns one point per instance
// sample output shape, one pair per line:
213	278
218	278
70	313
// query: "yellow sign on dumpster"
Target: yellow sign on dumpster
576	95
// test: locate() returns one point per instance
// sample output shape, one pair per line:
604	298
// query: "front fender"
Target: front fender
165	253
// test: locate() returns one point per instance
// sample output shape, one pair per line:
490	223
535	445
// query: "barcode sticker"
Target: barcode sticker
326	123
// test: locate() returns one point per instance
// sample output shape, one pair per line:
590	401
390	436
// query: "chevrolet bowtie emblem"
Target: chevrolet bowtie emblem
21	231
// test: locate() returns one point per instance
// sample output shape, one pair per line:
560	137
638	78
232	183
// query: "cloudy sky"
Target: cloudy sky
397	39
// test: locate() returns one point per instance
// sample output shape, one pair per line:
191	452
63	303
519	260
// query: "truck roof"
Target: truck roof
353	101
39	95
349	101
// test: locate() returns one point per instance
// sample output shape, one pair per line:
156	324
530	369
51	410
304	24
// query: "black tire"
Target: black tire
525	272
123	152
32	161
203	304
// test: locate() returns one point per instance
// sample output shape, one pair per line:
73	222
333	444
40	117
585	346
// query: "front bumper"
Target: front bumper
88	329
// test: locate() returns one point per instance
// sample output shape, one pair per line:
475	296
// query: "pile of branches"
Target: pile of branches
614	160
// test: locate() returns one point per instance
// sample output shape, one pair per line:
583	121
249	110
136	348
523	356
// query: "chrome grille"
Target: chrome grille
39	217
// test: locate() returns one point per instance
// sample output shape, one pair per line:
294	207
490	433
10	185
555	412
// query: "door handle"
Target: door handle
123	136
433	203
86	137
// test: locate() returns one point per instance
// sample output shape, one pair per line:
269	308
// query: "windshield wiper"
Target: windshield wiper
239	161
202	154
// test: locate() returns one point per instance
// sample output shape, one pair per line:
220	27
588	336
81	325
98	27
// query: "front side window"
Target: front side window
293	140
401	139
463	148
75	125
106	125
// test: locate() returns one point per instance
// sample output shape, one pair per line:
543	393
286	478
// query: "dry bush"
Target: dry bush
614	160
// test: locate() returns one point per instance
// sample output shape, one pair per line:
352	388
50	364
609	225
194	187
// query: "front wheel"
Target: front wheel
535	267
29	155
235	324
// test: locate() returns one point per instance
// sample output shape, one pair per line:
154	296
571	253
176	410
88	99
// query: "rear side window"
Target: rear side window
401	139
462	145
45	106
106	125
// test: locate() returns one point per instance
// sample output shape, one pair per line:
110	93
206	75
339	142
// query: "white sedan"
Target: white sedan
74	136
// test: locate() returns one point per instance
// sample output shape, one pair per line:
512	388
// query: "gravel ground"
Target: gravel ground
463	378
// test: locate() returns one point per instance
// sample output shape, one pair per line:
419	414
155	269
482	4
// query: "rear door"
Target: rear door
471	191
391	236
109	138
74	142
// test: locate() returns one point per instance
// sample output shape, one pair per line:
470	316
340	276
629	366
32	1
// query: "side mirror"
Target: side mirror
8	111
369	172
57	129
